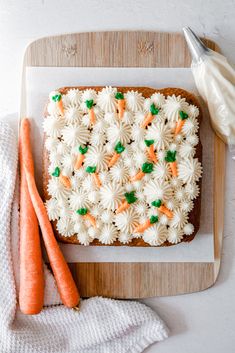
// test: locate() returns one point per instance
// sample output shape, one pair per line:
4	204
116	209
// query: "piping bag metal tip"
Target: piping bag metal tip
195	45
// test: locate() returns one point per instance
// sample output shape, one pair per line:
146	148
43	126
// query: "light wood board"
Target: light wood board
134	49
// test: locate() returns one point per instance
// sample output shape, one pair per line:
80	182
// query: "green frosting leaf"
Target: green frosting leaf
130	197
82	211
183	115
83	150
119	148
56	97
153	109
153	219
170	156
147	168
119	95
89	103
149	142
56	172
91	169
156	203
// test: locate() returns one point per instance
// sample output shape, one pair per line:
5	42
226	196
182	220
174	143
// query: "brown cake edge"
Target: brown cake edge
194	215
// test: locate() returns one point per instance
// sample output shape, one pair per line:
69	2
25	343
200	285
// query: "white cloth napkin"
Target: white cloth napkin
102	325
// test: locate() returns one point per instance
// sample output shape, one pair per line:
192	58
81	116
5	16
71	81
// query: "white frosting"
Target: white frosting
75	135
186	150
161	134
155	235
106	99
65	227
188	229
53	126
108	234
179	219
119	173
119	132
78	200
53	209
111	195
64	135
189	170
127	221
97	156
173	105
155	190
174	235
134	101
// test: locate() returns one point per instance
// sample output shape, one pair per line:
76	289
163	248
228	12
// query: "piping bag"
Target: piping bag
215	81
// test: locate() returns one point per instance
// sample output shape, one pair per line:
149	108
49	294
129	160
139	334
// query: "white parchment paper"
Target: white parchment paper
41	80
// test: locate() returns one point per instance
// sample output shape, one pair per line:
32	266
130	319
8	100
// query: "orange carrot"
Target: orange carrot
150	150
180	123
60	106
124	206
162	208
171	159
119	148
147	224
92	170
81	157
129	199
65	181
114	159
121	104
31	292
56	97
90	107
150	115
85	214
65	283
146	169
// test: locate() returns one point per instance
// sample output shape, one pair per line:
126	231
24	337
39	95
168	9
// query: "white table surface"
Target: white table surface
200	322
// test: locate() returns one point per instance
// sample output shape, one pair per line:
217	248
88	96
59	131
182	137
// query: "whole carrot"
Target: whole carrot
162	208
180	123
92	170
129	199
121	104
81	157
57	98
119	148
147	224
90	107
65	283
171	159
150	150
150	115
31	292
85	214
146	169
64	179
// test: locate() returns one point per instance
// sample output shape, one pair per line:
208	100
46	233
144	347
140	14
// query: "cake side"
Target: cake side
193	216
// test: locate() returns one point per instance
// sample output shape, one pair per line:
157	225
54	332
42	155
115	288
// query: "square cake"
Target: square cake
122	165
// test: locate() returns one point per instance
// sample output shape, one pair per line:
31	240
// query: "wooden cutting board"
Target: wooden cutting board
134	49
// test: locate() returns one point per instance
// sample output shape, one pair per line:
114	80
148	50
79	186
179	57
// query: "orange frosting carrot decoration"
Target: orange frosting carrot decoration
121	104
129	199
63	178
147	224
90	107
162	208
64	280
80	157
57	98
146	169
31	291
92	170
119	148
171	159
150	115
85	214
180	123
150	150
